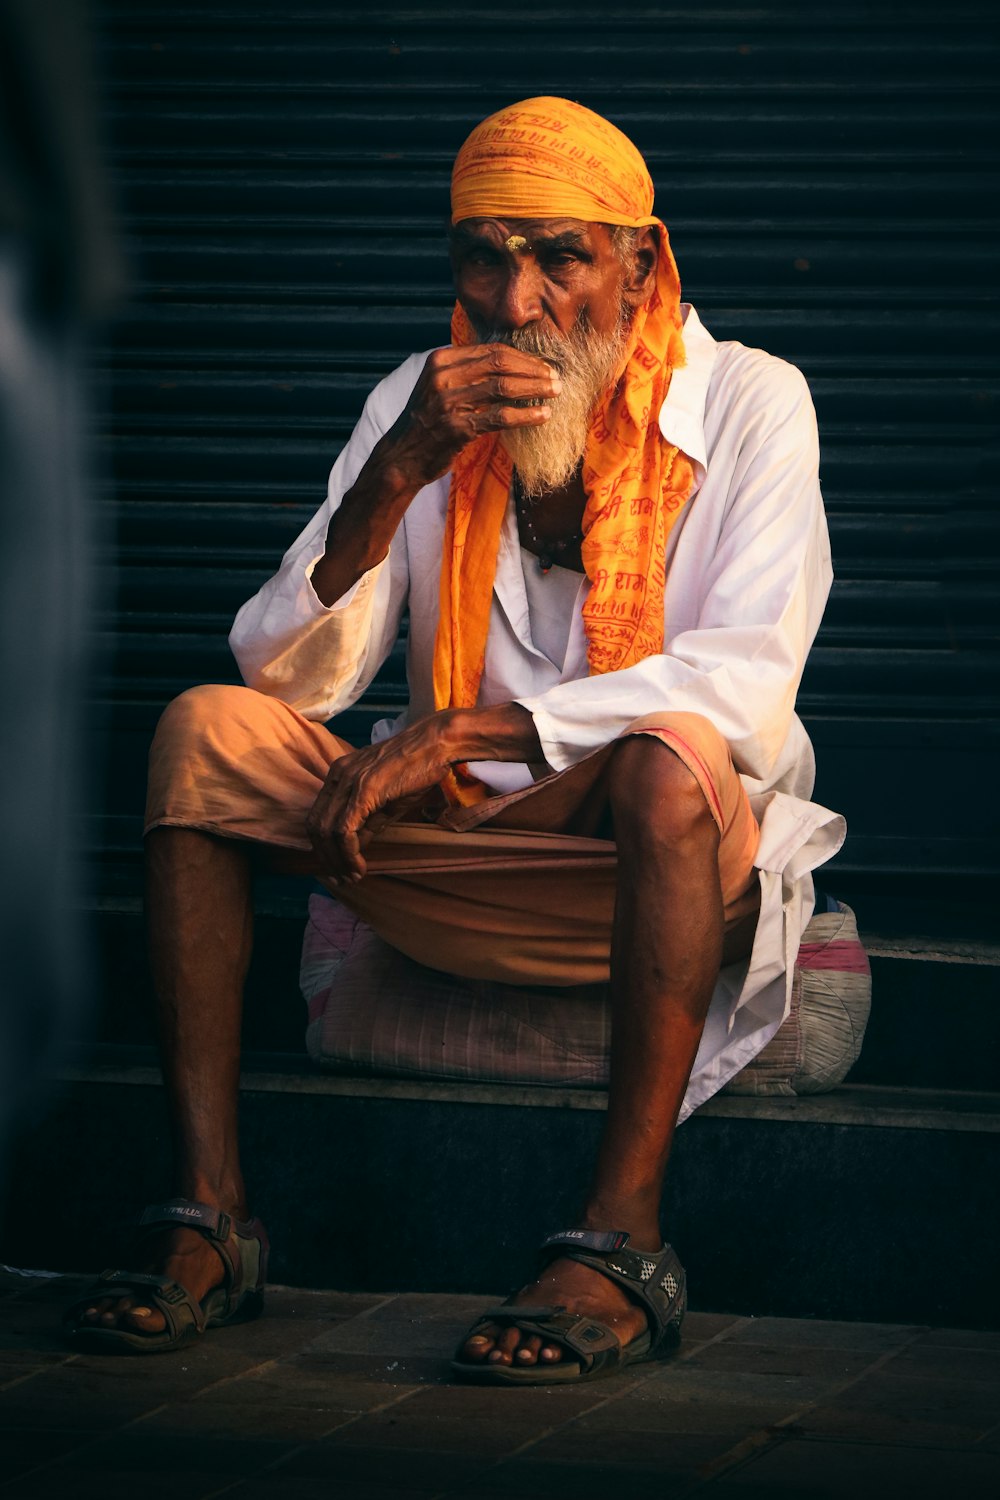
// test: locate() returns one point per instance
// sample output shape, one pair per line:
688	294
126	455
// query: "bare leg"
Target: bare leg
667	949
199	920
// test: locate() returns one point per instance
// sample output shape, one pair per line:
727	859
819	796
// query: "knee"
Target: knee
654	797
192	715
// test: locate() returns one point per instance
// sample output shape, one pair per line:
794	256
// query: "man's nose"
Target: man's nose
521	304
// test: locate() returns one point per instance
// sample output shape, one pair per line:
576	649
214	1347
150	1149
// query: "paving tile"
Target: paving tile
177	1453
696	1417
381	1369
435	1306
784	1359
352	1381
888	1408
391	1340
414	1471
699	1326
528	1479
477	1441
829	1471
294	1301
544	1405
25	1322
656	1407
63	1482
279	1486
820	1333
291	1319
23	1451
960	1338
688	1382
990	1441
164	1377
72	1398
290	1385
16	1363
940	1362
450	1427
604	1442
410	1325
246	1420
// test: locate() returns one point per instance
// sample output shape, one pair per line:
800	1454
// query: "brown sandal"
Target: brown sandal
656	1282
242	1247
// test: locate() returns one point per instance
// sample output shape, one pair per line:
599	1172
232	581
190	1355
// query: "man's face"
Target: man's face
558	289
554	288
550	274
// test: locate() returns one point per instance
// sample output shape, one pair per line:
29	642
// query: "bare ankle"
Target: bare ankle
638	1218
223	1194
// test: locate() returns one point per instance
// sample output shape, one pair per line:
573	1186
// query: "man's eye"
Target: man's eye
482	258
560	259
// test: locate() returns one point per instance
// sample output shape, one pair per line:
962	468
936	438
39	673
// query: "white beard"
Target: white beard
546	457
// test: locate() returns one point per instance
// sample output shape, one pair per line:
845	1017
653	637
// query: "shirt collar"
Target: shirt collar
682	415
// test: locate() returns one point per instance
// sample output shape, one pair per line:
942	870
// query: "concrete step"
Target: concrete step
863	1203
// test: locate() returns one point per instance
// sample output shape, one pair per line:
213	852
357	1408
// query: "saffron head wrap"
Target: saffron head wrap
548	159
543	159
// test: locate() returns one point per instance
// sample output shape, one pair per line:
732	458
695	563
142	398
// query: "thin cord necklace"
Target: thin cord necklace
547	552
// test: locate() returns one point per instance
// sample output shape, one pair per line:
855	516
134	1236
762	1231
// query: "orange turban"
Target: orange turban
547	159
543	159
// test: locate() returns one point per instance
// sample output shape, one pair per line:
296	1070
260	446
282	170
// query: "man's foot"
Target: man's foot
567	1284
184	1255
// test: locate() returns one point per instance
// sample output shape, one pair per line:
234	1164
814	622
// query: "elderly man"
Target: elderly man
608	533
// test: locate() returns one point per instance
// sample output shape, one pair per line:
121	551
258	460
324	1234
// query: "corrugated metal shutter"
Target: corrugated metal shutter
828	174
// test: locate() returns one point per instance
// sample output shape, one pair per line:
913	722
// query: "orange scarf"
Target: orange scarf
554	153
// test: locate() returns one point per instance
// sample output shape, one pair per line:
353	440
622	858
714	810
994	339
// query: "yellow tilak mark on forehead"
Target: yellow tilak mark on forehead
515	242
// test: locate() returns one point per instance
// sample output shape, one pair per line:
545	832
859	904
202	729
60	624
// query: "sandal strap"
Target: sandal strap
189	1214
656	1282
587	1239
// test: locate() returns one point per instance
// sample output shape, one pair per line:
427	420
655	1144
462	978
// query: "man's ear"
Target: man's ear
641	277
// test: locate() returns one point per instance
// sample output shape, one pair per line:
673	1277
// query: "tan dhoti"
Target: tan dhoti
519	889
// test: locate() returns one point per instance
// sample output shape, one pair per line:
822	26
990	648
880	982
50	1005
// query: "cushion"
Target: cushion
372	1010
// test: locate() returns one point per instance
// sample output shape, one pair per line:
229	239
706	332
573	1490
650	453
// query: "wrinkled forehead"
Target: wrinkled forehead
506	232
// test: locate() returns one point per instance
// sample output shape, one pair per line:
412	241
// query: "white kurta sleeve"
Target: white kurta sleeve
287	643
762	578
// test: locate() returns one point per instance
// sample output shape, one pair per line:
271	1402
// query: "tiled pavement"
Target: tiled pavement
342	1394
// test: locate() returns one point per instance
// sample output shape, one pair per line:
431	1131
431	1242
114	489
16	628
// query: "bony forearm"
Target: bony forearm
359	533
505	732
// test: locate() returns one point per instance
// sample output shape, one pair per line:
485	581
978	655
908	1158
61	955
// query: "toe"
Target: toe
506	1344
144	1320
527	1351
112	1311
550	1354
96	1312
476	1348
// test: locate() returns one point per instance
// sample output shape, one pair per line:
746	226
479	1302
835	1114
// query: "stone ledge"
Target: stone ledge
850	1104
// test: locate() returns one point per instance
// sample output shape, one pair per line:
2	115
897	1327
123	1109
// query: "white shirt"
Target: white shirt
555	596
747	578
